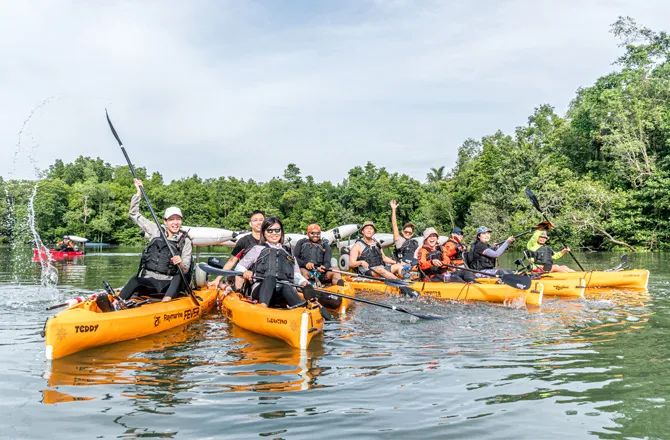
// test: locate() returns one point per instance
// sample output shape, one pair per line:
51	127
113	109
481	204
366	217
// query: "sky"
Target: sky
243	88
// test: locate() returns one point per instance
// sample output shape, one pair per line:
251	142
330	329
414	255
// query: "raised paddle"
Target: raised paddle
515	237
522	282
187	286
536	204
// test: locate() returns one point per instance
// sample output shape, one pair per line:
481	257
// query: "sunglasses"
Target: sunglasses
408	232
314	233
273	230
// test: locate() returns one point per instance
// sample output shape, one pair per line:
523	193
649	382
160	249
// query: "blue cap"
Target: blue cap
482	229
458	231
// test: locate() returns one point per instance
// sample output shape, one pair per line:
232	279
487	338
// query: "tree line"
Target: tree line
602	171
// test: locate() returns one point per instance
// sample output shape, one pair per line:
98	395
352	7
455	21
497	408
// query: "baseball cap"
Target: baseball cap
172	210
458	231
482	229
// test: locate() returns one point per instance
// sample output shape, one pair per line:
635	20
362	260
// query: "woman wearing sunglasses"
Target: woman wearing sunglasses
270	263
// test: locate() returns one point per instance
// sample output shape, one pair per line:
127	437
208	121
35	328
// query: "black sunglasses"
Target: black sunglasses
314	233
271	230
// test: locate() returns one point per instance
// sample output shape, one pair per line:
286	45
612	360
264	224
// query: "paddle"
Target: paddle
187	286
621	266
227	273
403	289
522	282
536	204
515	237
392	283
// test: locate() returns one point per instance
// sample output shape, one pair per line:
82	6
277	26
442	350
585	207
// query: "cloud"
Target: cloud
243	89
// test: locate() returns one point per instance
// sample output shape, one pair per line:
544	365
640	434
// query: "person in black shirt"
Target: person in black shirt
243	245
313	256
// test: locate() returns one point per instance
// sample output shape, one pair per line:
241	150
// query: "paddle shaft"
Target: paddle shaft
515	237
395	283
536	204
187	286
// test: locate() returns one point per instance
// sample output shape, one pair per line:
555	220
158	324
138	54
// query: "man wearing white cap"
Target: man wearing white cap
159	270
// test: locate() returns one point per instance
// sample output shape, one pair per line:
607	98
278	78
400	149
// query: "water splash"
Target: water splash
49	275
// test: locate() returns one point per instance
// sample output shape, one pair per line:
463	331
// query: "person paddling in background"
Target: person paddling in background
272	262
66	245
159	270
243	245
544	256
484	256
405	247
313	255
454	248
367	258
432	259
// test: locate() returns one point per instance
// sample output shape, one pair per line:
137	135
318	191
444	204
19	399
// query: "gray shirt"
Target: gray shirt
152	232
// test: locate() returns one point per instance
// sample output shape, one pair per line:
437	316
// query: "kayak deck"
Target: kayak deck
570	288
83	325
295	326
637	278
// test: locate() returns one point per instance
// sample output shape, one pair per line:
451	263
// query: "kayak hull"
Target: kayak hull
498	293
348	290
84	326
571	288
41	254
636	278
297	327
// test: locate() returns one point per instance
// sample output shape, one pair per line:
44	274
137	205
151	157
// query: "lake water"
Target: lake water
592	368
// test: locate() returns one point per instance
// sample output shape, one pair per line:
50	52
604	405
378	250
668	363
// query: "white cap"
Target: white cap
172	210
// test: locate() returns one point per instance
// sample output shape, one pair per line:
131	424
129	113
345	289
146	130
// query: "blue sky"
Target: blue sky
242	88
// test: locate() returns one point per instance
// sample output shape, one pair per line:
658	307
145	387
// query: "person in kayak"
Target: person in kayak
483	256
367	258
159	271
432	259
66	245
544	256
405	247
269	263
313	255
454	247
243	245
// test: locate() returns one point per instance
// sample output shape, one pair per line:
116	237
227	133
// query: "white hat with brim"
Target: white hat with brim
172	210
430	231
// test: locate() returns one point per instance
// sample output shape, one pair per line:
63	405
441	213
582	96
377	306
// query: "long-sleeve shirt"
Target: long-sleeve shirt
533	244
498	252
152	232
252	255
425	263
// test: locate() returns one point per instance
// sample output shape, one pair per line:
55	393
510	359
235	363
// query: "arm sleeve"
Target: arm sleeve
186	254
446	259
532	244
424	264
248	259
498	252
558	255
141	221
327	257
399	242
297	276
297	254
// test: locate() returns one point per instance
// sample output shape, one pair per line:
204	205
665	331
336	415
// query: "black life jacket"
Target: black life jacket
458	256
313	252
156	256
543	256
371	254
479	260
276	262
433	254
406	252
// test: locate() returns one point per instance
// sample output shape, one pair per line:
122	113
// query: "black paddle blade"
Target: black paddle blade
410	293
420	315
624	259
118	139
521	282
215	262
533	199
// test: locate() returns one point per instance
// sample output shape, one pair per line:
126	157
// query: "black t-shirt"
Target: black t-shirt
244	244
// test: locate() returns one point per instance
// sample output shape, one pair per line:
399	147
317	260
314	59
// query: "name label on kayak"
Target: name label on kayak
85	328
277	321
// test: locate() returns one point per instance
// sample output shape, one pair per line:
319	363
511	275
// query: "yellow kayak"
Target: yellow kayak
500	293
570	288
295	326
343	290
637	278
83	325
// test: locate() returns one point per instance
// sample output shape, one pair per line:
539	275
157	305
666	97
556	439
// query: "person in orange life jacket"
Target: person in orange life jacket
243	245
432	259
454	248
66	245
405	247
159	271
367	254
484	256
273	262
313	256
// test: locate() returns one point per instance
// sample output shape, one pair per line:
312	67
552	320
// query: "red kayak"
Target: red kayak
56	255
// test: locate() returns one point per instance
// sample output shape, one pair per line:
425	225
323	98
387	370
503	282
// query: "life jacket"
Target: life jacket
276	262
371	254
457	258
156	257
543	256
479	260
313	252
405	253
433	254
